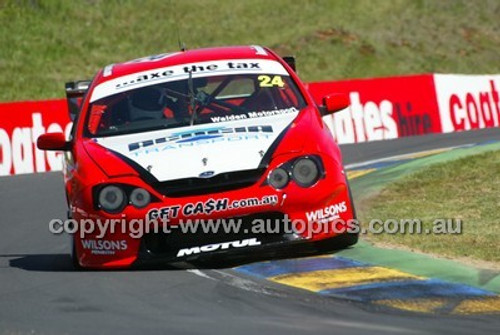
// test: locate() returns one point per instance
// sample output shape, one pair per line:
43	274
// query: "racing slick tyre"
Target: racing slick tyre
350	238
74	256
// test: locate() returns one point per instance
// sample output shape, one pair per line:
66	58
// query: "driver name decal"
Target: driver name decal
253	115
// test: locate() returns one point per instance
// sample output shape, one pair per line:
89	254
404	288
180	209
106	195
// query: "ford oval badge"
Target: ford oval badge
206	174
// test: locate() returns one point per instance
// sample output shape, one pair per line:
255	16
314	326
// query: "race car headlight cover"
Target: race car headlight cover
140	198
305	171
112	199
278	178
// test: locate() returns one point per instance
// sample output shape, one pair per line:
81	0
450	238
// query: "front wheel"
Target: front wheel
351	238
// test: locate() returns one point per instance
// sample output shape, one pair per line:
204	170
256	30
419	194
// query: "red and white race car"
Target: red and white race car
200	152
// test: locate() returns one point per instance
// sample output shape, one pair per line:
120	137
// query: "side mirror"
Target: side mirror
53	141
334	102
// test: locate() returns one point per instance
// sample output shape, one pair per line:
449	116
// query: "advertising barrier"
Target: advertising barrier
381	108
467	102
20	125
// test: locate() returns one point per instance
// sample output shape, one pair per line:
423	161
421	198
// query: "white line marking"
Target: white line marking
200	274
246	284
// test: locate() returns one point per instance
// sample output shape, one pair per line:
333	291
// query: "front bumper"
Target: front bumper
252	253
324	202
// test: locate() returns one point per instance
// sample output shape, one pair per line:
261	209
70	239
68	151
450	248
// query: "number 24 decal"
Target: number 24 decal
267	81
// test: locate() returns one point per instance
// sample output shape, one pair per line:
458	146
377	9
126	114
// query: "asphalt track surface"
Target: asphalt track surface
41	294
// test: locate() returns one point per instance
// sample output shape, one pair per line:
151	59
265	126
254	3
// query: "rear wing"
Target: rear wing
290	60
75	91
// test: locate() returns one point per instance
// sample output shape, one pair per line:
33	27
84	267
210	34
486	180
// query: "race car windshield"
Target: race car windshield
198	100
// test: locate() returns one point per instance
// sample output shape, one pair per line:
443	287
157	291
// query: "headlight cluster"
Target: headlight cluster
114	198
305	171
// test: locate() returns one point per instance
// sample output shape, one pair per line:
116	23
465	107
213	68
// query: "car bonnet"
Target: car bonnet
205	150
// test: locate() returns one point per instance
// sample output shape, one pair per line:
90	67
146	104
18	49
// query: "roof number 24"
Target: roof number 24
267	81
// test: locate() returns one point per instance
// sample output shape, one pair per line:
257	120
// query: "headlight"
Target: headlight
278	178
112	199
140	198
305	172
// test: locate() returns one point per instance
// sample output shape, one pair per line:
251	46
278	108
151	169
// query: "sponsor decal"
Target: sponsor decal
200	137
253	115
104	247
210	206
468	102
327	214
169	149
167	212
181	72
251	242
191	68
